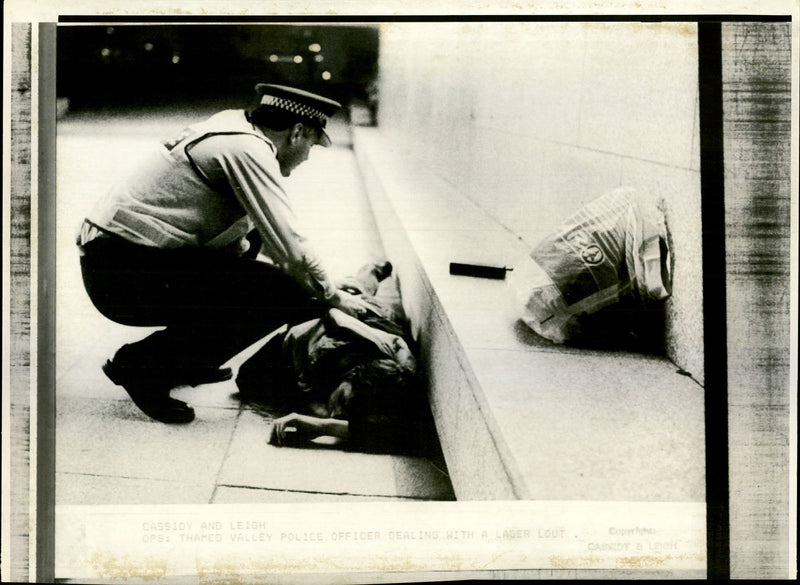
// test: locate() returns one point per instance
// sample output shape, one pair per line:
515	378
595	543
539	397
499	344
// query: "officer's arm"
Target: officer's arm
248	165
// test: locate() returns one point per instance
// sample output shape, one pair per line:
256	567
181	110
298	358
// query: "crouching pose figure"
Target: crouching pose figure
341	377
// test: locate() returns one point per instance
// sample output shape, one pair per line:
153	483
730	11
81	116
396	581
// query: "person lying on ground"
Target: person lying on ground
340	377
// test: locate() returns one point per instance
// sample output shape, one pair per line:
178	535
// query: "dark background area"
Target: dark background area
128	65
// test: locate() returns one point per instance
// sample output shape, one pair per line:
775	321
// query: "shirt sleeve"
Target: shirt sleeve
249	166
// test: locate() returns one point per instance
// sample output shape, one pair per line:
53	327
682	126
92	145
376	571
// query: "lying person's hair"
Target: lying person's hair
376	386
379	400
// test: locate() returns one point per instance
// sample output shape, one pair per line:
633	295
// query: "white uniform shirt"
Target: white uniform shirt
209	186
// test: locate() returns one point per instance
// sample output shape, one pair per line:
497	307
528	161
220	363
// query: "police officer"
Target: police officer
170	245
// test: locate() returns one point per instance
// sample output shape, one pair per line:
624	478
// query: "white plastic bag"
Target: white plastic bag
615	245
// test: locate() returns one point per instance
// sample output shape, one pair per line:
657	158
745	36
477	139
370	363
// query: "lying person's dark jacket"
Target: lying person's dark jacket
339	369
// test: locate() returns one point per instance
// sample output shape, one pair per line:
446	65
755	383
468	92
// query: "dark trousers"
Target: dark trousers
213	304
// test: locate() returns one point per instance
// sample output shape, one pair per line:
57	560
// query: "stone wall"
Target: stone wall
532	120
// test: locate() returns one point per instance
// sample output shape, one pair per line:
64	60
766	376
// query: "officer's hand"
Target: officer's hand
352	305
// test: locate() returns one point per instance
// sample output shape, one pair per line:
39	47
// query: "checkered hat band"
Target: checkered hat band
292	106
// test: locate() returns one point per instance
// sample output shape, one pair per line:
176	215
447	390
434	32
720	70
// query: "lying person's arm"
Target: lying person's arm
379	433
294	428
392	346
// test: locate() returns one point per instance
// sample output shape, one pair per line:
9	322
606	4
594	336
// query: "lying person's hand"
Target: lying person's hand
353	305
293	428
296	428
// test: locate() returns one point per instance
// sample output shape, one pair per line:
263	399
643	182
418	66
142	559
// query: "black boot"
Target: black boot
151	396
150	392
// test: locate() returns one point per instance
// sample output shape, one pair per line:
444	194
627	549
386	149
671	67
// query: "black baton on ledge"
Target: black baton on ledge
479	270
